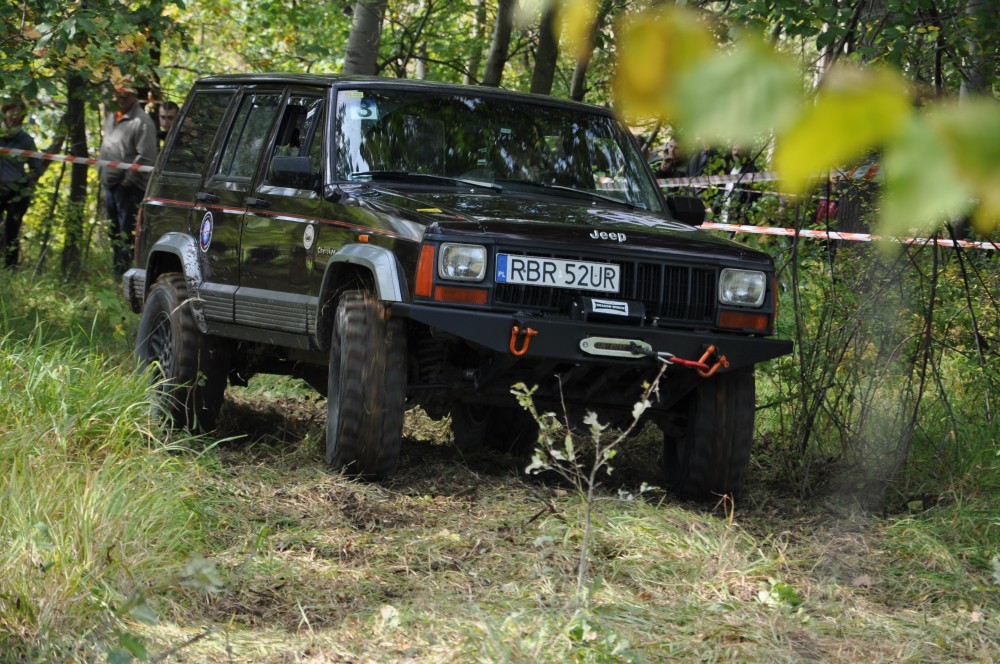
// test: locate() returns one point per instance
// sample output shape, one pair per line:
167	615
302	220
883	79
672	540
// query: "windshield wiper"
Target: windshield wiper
579	193
410	175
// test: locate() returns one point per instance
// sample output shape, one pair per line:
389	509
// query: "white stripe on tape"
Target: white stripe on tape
835	235
77	160
742	178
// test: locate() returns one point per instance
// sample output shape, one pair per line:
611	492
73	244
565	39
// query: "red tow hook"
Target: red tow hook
700	365
708	371
526	334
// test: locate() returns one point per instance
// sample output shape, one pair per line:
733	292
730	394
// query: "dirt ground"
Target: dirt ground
467	558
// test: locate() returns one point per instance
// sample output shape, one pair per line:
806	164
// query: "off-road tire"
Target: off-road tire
366	397
707	439
190	368
507	429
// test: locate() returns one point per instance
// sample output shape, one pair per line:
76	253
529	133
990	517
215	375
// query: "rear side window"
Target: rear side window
248	136
193	143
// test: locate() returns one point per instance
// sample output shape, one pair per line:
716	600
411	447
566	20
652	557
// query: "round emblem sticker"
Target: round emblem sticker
308	236
205	237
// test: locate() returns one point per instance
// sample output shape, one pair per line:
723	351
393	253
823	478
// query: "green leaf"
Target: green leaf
827	13
970	132
855	110
133	645
922	185
737	97
117	656
143	614
824	39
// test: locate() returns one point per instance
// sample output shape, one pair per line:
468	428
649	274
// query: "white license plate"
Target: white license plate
558	273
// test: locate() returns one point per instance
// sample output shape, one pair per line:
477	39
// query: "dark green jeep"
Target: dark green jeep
398	243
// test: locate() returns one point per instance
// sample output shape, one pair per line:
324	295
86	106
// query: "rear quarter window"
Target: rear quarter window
192	145
248	136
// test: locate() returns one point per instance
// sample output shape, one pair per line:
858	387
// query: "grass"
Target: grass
118	538
96	505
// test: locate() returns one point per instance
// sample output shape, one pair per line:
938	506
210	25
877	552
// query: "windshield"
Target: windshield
512	145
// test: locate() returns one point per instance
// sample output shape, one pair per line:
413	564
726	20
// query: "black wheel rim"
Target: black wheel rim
160	350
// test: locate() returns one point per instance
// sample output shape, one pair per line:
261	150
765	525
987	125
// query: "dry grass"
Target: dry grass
468	560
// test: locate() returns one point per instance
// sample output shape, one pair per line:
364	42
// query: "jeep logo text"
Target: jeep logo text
602	235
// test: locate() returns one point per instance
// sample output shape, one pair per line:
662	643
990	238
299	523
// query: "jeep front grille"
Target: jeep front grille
675	293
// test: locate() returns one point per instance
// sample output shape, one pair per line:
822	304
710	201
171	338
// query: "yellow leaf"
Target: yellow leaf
855	111
578	16
32	33
656	48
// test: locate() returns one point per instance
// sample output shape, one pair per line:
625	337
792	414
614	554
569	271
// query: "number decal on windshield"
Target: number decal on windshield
362	108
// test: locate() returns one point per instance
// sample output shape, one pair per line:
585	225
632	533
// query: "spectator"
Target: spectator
167	114
129	136
667	164
739	195
706	162
18	177
826	208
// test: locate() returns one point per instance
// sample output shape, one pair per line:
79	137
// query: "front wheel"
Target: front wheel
190	368
366	394
707	438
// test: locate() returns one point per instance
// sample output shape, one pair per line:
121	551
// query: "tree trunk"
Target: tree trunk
578	86
478	37
76	129
547	53
974	83
497	57
420	68
361	56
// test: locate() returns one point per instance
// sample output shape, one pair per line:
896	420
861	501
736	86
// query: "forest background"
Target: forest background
877	439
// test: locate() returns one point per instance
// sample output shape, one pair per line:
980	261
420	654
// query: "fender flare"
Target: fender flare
386	275
185	249
379	261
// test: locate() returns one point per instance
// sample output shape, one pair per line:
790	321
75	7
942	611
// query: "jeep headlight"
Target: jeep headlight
462	262
742	287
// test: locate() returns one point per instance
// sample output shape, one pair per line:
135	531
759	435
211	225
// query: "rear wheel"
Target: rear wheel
707	438
508	429
190	368
366	393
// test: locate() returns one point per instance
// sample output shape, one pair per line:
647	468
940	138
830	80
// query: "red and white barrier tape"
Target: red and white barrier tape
713	226
76	160
704	180
866	172
835	235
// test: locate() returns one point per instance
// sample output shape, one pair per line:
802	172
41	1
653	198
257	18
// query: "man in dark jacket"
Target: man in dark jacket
18	177
129	136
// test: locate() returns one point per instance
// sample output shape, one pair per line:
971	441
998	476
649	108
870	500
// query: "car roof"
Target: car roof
329	80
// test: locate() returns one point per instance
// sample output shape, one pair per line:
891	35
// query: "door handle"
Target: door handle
258	202
205	197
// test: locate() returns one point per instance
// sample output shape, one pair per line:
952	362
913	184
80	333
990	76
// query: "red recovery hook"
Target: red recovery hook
708	371
527	333
700	365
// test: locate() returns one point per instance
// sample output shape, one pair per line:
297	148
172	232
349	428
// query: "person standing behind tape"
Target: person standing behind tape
130	137
166	115
18	177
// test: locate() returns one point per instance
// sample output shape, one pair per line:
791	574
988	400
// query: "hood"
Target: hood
517	219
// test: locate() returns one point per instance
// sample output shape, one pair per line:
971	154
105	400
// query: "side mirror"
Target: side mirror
292	172
689	210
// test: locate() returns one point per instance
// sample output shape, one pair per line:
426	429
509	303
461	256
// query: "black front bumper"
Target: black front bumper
559	339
